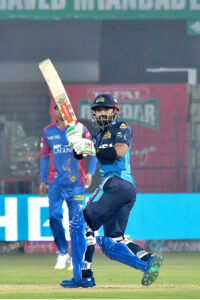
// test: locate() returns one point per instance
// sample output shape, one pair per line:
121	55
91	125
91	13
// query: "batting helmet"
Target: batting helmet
106	100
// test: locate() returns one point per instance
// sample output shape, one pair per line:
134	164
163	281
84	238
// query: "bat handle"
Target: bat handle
72	124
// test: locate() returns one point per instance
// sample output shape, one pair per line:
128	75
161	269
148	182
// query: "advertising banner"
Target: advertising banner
26	218
173	245
157	114
99	9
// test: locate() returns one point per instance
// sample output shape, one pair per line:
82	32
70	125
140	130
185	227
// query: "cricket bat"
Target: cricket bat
58	91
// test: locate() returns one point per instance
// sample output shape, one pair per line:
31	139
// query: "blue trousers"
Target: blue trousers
110	206
73	196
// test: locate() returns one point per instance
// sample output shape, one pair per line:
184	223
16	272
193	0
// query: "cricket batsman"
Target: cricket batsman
112	201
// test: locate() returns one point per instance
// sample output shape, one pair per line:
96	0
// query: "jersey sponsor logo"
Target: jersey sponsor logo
58	149
54	137
79	197
106	145
107	135
123	126
57	146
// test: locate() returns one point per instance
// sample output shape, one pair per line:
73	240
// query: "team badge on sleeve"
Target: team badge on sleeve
119	134
123	126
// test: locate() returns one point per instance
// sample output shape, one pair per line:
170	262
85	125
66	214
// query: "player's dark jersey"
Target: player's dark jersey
67	170
119	132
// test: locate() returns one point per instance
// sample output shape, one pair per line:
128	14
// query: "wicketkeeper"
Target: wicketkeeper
111	203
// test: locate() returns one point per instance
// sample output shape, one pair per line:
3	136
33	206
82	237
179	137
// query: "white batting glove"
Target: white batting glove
84	147
74	133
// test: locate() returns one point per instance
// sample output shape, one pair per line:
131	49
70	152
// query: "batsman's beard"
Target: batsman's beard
105	121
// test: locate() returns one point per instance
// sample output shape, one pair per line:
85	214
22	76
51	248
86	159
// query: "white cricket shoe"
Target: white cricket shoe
62	259
70	268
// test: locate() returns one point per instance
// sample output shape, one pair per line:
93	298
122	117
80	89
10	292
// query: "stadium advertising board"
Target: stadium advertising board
99	9
25	218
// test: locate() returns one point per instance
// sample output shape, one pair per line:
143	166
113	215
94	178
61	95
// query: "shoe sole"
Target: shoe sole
152	274
78	286
88	285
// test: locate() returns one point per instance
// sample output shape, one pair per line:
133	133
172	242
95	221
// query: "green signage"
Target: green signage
99	9
143	113
193	27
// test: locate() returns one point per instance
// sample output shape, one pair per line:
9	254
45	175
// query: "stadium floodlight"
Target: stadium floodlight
192	73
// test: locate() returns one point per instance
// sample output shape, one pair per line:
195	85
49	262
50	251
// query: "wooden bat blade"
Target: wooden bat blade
58	91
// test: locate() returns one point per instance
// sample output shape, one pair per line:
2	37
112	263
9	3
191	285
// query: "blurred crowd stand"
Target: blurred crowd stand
19	159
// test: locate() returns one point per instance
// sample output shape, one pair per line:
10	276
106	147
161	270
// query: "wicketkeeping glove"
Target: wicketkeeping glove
84	147
74	133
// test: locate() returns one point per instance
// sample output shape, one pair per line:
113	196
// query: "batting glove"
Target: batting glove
74	133
84	147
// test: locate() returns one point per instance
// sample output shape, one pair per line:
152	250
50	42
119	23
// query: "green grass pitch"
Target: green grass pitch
32	276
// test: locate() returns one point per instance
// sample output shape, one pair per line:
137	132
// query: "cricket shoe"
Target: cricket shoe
70	268
62	259
84	283
151	274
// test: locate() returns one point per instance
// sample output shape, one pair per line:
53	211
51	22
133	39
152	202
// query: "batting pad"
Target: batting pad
78	243
120	252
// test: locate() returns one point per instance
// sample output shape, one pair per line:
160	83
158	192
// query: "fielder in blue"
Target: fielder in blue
66	178
111	203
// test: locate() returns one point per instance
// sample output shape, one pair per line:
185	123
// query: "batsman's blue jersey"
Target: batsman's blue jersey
119	132
65	169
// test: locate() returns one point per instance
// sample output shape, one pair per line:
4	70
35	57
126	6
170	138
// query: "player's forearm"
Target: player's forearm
44	169
121	149
112	153
106	153
92	165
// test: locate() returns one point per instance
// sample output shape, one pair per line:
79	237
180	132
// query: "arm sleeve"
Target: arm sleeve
124	134
44	160
44	169
92	165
